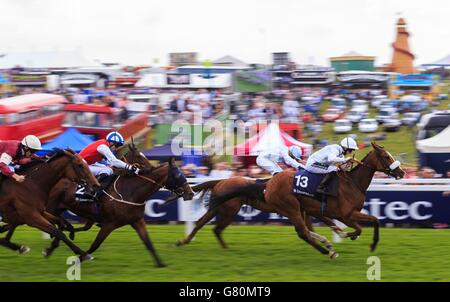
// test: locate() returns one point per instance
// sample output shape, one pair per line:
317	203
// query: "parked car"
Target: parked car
360	104
356	114
412	103
410	118
339	103
332	114
342	126
388	103
386	113
392	125
377	100
368	125
443	96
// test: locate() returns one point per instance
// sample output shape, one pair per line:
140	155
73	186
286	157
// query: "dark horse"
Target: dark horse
123	202
24	203
346	207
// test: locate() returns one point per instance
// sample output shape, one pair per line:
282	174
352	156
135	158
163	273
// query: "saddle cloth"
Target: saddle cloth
306	183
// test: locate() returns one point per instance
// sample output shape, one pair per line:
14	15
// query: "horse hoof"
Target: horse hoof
160	265
179	243
333	255
24	249
373	247
45	253
86	257
354	237
72	236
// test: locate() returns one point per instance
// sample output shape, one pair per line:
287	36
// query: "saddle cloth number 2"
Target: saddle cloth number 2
302	181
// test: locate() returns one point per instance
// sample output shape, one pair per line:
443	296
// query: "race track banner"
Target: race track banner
418	207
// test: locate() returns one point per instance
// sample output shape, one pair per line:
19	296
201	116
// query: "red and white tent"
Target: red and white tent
271	138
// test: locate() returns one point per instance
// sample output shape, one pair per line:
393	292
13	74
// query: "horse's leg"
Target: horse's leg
141	229
6	242
358	216
38	221
104	232
4	228
329	222
86	227
49	251
61	222
323	240
198	225
223	221
305	234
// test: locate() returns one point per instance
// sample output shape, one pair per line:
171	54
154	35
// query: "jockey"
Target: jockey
269	160
102	149
16	152
324	160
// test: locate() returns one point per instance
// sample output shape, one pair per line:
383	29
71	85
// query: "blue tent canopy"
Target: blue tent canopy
70	138
164	152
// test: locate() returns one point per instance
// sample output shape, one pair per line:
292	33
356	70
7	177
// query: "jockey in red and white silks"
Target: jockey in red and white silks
101	149
17	153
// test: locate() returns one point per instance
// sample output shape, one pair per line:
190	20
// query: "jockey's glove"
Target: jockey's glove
134	169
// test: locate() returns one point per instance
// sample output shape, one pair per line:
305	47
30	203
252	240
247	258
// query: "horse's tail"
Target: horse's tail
249	191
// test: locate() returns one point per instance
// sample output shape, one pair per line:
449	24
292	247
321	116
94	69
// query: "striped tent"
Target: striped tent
271	138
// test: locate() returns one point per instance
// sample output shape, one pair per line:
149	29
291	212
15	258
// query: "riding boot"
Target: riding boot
102	180
323	186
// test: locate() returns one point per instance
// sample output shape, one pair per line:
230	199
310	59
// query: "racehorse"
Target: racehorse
123	202
226	211
24	203
346	207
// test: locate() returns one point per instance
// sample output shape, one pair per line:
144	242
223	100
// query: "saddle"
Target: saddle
81	195
307	183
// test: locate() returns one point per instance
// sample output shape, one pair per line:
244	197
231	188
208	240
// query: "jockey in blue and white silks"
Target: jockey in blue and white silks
269	160
325	160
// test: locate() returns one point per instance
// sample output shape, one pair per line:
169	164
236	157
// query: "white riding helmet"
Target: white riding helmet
296	152
349	143
32	142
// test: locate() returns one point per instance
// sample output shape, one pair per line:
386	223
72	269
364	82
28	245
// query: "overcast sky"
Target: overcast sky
138	32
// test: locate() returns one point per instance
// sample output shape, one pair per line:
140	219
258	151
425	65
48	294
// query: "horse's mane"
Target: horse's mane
54	154
57	153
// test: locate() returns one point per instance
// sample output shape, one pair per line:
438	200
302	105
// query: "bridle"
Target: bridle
178	191
388	170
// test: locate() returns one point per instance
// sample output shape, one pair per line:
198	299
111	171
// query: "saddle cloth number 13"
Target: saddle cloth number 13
302	181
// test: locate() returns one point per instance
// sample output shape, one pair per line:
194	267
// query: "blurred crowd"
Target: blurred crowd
226	170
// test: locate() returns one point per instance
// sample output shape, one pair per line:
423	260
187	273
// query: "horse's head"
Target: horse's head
383	161
134	156
78	171
177	183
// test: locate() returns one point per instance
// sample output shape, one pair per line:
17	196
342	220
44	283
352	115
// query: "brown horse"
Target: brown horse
226	211
24	203
123	202
346	207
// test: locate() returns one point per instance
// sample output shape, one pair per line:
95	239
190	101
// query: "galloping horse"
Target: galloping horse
226	211
346	207
24	203
123	202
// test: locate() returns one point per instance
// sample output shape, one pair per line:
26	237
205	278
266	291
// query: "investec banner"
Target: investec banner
416	207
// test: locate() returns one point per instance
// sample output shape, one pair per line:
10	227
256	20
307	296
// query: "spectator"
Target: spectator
202	172
220	171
